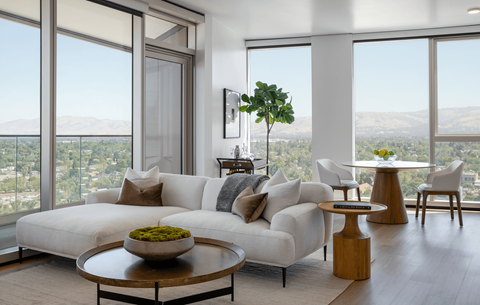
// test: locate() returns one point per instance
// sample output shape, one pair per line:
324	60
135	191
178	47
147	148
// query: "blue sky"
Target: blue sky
92	80
388	76
96	81
288	68
391	76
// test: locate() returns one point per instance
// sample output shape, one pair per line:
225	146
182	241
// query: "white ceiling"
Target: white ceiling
259	19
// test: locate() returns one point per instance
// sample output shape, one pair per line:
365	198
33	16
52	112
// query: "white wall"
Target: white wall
332	99
223	64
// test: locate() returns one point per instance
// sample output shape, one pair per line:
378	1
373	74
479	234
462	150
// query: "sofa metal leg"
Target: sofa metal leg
325	253
284	271
20	254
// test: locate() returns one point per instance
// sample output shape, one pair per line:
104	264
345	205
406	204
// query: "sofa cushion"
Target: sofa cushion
259	189
132	195
71	231
281	194
260	244
210	194
182	190
141	179
248	205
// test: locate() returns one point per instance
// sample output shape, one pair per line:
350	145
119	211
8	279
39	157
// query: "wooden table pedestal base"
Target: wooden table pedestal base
351	258
387	190
351	251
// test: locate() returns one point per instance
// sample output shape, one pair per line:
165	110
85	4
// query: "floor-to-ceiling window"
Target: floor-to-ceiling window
19	113
457	130
290	145
94	98
392	102
418	98
71	73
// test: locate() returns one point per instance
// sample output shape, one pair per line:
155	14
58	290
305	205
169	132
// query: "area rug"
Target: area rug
56	282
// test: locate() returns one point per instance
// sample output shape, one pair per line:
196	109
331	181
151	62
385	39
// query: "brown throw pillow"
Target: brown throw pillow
249	205
132	195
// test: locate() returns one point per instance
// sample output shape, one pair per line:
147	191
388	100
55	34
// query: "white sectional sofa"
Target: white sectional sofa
189	202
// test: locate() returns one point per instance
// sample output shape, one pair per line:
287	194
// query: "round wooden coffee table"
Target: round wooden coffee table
111	265
351	246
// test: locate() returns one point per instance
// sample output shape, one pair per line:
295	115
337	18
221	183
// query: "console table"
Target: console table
246	166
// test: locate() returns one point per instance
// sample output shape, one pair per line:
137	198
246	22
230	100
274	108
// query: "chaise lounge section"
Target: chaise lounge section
189	202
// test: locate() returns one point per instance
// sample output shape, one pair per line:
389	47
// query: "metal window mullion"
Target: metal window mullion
138	61
48	26
80	172
432	64
16	168
433	98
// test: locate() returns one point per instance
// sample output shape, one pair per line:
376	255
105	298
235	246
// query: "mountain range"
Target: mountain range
70	125
460	120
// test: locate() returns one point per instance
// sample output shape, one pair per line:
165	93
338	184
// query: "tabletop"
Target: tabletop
397	165
112	265
328	206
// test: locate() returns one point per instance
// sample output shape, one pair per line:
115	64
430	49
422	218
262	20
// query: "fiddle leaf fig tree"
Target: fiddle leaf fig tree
270	104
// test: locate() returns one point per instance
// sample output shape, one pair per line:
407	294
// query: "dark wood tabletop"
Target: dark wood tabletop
210	259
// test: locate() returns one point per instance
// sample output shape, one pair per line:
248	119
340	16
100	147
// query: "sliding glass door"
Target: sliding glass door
167	108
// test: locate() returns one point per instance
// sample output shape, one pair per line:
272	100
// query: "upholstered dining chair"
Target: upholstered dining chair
444	182
336	177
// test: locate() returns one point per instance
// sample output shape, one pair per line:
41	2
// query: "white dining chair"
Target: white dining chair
336	177
444	182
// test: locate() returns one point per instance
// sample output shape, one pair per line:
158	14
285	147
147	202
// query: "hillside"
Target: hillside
70	125
453	120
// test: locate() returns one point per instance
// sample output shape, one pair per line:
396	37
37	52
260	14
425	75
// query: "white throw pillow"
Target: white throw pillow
281	194
142	180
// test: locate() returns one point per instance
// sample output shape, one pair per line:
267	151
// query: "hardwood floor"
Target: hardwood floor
438	264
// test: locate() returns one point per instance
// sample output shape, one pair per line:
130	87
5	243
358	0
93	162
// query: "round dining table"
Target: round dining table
386	188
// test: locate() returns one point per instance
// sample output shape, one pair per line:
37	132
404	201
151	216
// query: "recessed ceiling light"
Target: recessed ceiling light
473	11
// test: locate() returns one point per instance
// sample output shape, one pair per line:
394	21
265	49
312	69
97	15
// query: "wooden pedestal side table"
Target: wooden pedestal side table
351	246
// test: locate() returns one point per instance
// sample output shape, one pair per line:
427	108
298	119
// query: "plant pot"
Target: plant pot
158	251
382	160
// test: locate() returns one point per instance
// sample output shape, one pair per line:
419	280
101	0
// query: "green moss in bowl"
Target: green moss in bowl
161	233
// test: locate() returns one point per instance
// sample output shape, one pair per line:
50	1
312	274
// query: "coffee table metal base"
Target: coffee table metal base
180	301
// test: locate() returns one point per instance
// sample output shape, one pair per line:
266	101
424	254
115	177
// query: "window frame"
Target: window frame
434	136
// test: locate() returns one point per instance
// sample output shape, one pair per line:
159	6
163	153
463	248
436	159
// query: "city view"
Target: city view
83	165
290	147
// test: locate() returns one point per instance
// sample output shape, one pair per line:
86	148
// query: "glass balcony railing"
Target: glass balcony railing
19	173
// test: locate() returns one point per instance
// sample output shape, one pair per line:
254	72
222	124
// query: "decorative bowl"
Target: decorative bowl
160	250
382	160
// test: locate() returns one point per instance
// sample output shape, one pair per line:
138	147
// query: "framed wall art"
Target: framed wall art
231	114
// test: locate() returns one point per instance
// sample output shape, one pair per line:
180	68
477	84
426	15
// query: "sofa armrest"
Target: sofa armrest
105	196
315	192
310	226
